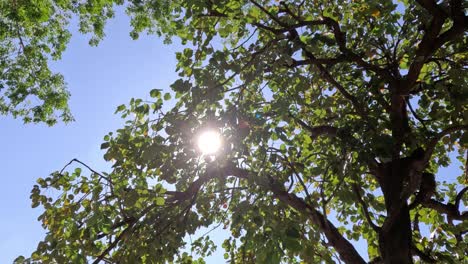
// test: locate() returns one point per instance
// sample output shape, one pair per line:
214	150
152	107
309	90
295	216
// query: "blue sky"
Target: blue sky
99	79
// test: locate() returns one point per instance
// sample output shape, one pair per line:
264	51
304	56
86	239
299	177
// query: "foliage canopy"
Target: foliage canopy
335	117
32	33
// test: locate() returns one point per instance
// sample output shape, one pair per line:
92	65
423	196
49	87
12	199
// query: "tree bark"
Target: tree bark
395	237
395	242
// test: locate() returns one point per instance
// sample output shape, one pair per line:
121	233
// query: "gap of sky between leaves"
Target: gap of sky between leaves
99	79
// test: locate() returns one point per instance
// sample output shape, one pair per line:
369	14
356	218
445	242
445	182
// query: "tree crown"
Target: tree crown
330	112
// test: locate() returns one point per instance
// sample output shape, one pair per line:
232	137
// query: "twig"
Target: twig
423	256
88	167
364	208
415	114
459	197
433	142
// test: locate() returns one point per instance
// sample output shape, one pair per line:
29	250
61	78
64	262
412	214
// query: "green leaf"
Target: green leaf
293	232
120	108
155	93
302	116
292	244
160	201
105	145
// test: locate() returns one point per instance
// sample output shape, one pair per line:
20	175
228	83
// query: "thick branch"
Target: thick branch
339	35
456	30
448	209
432	7
431	40
340	38
426	47
326	74
459	197
317	131
346	250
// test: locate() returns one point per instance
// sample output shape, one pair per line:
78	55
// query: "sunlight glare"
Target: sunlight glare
209	142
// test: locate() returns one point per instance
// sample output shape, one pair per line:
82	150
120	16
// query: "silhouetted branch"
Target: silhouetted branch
345	249
448	209
88	167
365	209
459	197
423	256
433	142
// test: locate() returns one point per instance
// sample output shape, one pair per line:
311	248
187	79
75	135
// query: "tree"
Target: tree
335	117
31	34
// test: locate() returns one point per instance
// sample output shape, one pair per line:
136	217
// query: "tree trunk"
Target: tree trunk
395	242
395	237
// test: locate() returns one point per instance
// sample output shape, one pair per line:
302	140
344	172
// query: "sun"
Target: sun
209	142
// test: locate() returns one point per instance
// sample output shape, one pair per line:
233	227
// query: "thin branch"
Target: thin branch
466	166
287	28
326	61
291	184
231	189
112	245
432	41
365	209
433	142
340	38
273	17
272	30
212	229
324	203
416	223
248	64
66	165
20	38
88	167
294	37
423	256
415	114
301	182
289	11
459	197
126	221
345	249
245	41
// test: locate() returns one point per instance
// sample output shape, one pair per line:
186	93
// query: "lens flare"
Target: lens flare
209	142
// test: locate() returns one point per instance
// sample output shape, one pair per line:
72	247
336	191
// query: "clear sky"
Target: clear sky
99	79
